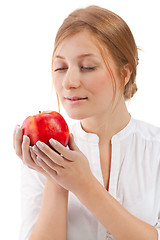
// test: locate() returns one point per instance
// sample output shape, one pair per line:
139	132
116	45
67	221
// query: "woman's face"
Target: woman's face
80	77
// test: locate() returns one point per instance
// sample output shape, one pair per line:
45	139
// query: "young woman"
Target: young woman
105	185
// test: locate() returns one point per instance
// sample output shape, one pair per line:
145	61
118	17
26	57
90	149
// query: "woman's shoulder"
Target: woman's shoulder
147	130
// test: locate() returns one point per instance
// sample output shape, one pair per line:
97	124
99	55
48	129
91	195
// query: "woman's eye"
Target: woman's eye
88	68
60	69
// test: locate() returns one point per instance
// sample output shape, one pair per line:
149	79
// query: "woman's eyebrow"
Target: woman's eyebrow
80	56
58	56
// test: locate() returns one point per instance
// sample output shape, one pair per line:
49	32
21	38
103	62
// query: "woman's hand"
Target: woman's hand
68	167
21	144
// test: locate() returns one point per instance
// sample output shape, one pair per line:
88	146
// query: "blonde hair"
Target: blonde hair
111	34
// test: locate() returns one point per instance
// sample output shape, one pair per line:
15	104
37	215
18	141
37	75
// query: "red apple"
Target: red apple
44	126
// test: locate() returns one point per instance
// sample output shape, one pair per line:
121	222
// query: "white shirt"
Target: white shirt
134	181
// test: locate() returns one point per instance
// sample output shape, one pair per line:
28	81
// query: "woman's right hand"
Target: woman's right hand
21	144
25	152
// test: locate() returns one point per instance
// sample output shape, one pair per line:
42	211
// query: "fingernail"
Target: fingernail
30	149
24	138
72	136
18	129
39	159
15	128
53	142
39	144
35	149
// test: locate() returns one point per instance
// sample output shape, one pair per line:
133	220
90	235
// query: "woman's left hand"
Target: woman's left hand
68	167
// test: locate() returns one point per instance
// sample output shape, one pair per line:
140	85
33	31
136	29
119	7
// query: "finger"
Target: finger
48	155
14	135
72	145
26	153
18	135
37	166
26	150
33	155
27	160
66	153
51	170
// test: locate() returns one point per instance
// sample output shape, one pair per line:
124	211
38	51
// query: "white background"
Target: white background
27	33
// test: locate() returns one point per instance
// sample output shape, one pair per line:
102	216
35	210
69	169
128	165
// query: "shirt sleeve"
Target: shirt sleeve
158	184
32	185
158	229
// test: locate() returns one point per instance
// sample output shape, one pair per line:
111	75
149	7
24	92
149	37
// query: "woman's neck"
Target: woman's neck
107	124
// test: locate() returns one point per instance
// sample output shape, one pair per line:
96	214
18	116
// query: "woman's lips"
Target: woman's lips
75	100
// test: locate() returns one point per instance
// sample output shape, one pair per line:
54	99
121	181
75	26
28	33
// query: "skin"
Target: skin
70	171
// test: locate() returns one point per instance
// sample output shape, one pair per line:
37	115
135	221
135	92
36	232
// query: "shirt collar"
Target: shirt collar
87	137
93	138
125	131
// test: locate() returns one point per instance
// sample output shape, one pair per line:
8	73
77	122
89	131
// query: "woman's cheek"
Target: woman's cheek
57	85
101	82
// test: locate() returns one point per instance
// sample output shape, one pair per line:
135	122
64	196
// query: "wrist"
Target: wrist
55	187
87	188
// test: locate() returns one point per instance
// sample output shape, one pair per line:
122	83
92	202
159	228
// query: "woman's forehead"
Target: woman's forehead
80	45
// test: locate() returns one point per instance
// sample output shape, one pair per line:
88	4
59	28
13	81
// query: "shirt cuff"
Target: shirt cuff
158	230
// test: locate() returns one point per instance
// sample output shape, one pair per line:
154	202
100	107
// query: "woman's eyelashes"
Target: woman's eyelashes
82	68
89	68
60	69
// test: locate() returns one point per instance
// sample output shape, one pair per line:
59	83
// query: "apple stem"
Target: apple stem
39	112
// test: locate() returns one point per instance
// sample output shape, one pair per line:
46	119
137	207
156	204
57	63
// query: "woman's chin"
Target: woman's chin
76	115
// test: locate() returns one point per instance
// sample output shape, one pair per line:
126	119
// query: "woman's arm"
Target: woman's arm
114	217
52	220
51	223
72	171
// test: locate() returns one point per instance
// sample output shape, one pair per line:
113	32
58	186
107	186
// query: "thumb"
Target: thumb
72	145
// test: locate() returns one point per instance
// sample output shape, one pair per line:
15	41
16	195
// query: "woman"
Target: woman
105	185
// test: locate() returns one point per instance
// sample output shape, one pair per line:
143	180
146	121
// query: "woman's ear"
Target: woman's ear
126	73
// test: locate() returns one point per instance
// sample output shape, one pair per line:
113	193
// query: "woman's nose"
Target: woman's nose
71	79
